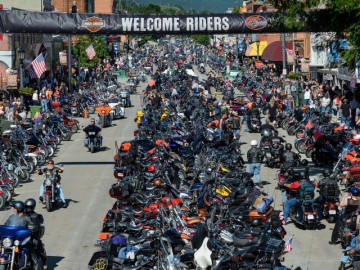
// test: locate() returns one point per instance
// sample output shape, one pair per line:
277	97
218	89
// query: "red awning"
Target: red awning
273	51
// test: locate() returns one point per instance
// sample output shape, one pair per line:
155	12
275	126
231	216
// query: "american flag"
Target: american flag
248	50
31	72
288	245
90	52
37	67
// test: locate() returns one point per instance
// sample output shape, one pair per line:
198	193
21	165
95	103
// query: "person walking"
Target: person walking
345	111
307	96
44	101
35	98
254	159
354	104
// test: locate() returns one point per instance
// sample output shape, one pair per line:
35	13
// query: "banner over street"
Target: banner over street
17	21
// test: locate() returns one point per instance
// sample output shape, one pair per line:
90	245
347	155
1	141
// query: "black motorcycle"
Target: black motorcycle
93	141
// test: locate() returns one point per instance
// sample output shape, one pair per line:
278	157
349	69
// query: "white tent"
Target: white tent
191	72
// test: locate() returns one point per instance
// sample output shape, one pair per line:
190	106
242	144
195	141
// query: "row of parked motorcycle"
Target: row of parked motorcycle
182	198
28	146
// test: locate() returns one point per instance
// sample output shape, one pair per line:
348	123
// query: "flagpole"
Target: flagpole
69	63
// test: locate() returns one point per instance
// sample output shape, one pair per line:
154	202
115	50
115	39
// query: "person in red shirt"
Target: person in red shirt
293	202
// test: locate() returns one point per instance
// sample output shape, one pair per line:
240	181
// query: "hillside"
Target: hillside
213	6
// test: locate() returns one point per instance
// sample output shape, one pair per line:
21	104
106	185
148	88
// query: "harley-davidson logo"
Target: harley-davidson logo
256	22
94	24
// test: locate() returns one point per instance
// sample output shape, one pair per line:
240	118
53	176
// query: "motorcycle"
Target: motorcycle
93	141
125	98
50	194
104	116
14	252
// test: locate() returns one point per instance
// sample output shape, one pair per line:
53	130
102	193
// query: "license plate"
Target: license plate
345	172
332	212
310	216
120	175
268	154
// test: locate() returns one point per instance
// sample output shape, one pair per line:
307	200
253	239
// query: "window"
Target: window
90	6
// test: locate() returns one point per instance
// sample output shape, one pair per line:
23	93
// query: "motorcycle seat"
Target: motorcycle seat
134	241
244	242
117	260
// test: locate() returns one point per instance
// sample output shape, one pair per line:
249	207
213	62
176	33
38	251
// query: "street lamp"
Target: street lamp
297	71
257	47
21	54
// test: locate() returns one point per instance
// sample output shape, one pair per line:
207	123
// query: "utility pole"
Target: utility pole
73	11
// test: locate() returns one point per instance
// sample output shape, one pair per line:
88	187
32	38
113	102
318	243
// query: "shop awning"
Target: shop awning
252	49
273	52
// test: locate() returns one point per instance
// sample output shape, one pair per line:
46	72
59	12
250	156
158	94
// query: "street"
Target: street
71	233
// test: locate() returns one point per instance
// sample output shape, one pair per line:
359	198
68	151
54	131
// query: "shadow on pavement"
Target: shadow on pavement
88	163
53	261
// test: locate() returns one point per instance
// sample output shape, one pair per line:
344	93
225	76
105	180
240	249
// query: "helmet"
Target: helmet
92	120
30	203
276	133
19	206
288	146
326	172
266	133
51	162
355	191
253	143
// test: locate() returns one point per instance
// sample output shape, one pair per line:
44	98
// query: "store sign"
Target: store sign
305	67
12	81
63	58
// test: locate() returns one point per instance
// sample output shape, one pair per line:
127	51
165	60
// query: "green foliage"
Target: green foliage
293	76
201	39
336	16
100	46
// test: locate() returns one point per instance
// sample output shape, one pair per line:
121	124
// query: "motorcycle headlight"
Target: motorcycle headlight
47	182
16	242
7	242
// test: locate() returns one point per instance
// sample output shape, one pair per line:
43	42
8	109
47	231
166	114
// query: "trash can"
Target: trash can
34	110
4	125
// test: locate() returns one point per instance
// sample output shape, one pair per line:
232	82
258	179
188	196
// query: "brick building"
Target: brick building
84	6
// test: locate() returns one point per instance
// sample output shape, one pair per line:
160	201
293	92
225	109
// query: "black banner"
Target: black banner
17	21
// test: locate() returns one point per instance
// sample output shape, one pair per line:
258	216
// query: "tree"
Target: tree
338	15
100	46
201	39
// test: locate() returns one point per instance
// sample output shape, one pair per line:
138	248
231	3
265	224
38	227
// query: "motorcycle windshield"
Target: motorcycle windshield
14	232
346	149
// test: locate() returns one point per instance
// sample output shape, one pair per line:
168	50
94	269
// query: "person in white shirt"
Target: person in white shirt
307	96
325	103
35	98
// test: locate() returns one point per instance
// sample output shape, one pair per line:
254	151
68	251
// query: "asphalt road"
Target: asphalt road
71	233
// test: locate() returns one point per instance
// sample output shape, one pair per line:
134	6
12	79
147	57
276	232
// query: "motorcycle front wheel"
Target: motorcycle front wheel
23	176
12	176
48	203
2	202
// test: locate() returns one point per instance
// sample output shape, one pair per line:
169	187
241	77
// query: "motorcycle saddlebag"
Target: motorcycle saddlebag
355	173
263	217
95	259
